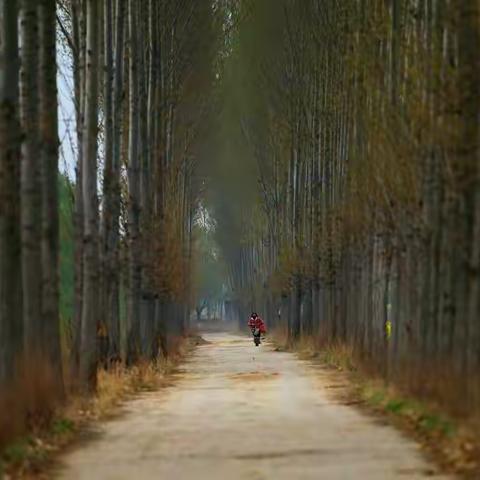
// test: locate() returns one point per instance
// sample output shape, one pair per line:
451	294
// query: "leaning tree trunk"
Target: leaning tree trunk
10	260
30	180
88	340
49	178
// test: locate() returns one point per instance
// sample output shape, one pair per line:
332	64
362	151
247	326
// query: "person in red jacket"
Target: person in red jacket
255	322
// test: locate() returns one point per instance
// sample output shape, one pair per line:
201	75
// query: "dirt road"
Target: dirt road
240	412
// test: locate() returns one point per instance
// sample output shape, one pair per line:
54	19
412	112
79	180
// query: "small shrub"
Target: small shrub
396	406
17	452
376	398
432	422
62	426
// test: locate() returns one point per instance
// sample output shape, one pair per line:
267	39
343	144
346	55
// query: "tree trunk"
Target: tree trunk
78	54
135	270
112	293
10	253
49	177
31	192
107	220
88	343
470	158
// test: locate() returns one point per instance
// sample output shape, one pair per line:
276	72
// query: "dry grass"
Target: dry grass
335	354
118	384
29	403
340	356
38	425
279	336
453	440
28	409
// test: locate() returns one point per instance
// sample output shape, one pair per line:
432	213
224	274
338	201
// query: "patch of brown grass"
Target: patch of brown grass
429	412
280	337
114	386
38	425
119	383
336	354
13	422
340	356
29	403
453	442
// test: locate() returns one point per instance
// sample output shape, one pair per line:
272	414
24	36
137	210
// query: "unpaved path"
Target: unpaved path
240	412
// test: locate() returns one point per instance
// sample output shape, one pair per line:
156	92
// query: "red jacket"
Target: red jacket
257	323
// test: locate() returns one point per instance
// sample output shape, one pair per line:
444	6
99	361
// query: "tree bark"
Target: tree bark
49	178
78	54
112	237
31	188
107	220
90	317
10	253
135	270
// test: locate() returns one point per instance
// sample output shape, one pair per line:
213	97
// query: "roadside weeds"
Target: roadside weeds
31	455
452	442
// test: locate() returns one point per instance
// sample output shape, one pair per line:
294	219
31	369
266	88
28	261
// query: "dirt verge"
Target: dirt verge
32	455
452	443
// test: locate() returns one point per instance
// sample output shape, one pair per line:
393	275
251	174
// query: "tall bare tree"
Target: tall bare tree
10	260
114	80
106	223
77	44
31	187
49	178
135	268
90	288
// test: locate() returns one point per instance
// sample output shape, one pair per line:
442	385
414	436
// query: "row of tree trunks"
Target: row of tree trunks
49	186
29	319
377	223
142	76
132	252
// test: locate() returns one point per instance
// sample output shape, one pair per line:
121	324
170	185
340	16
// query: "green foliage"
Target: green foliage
433	422
421	414
66	250
377	398
62	426
396	405
17	452
32	450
